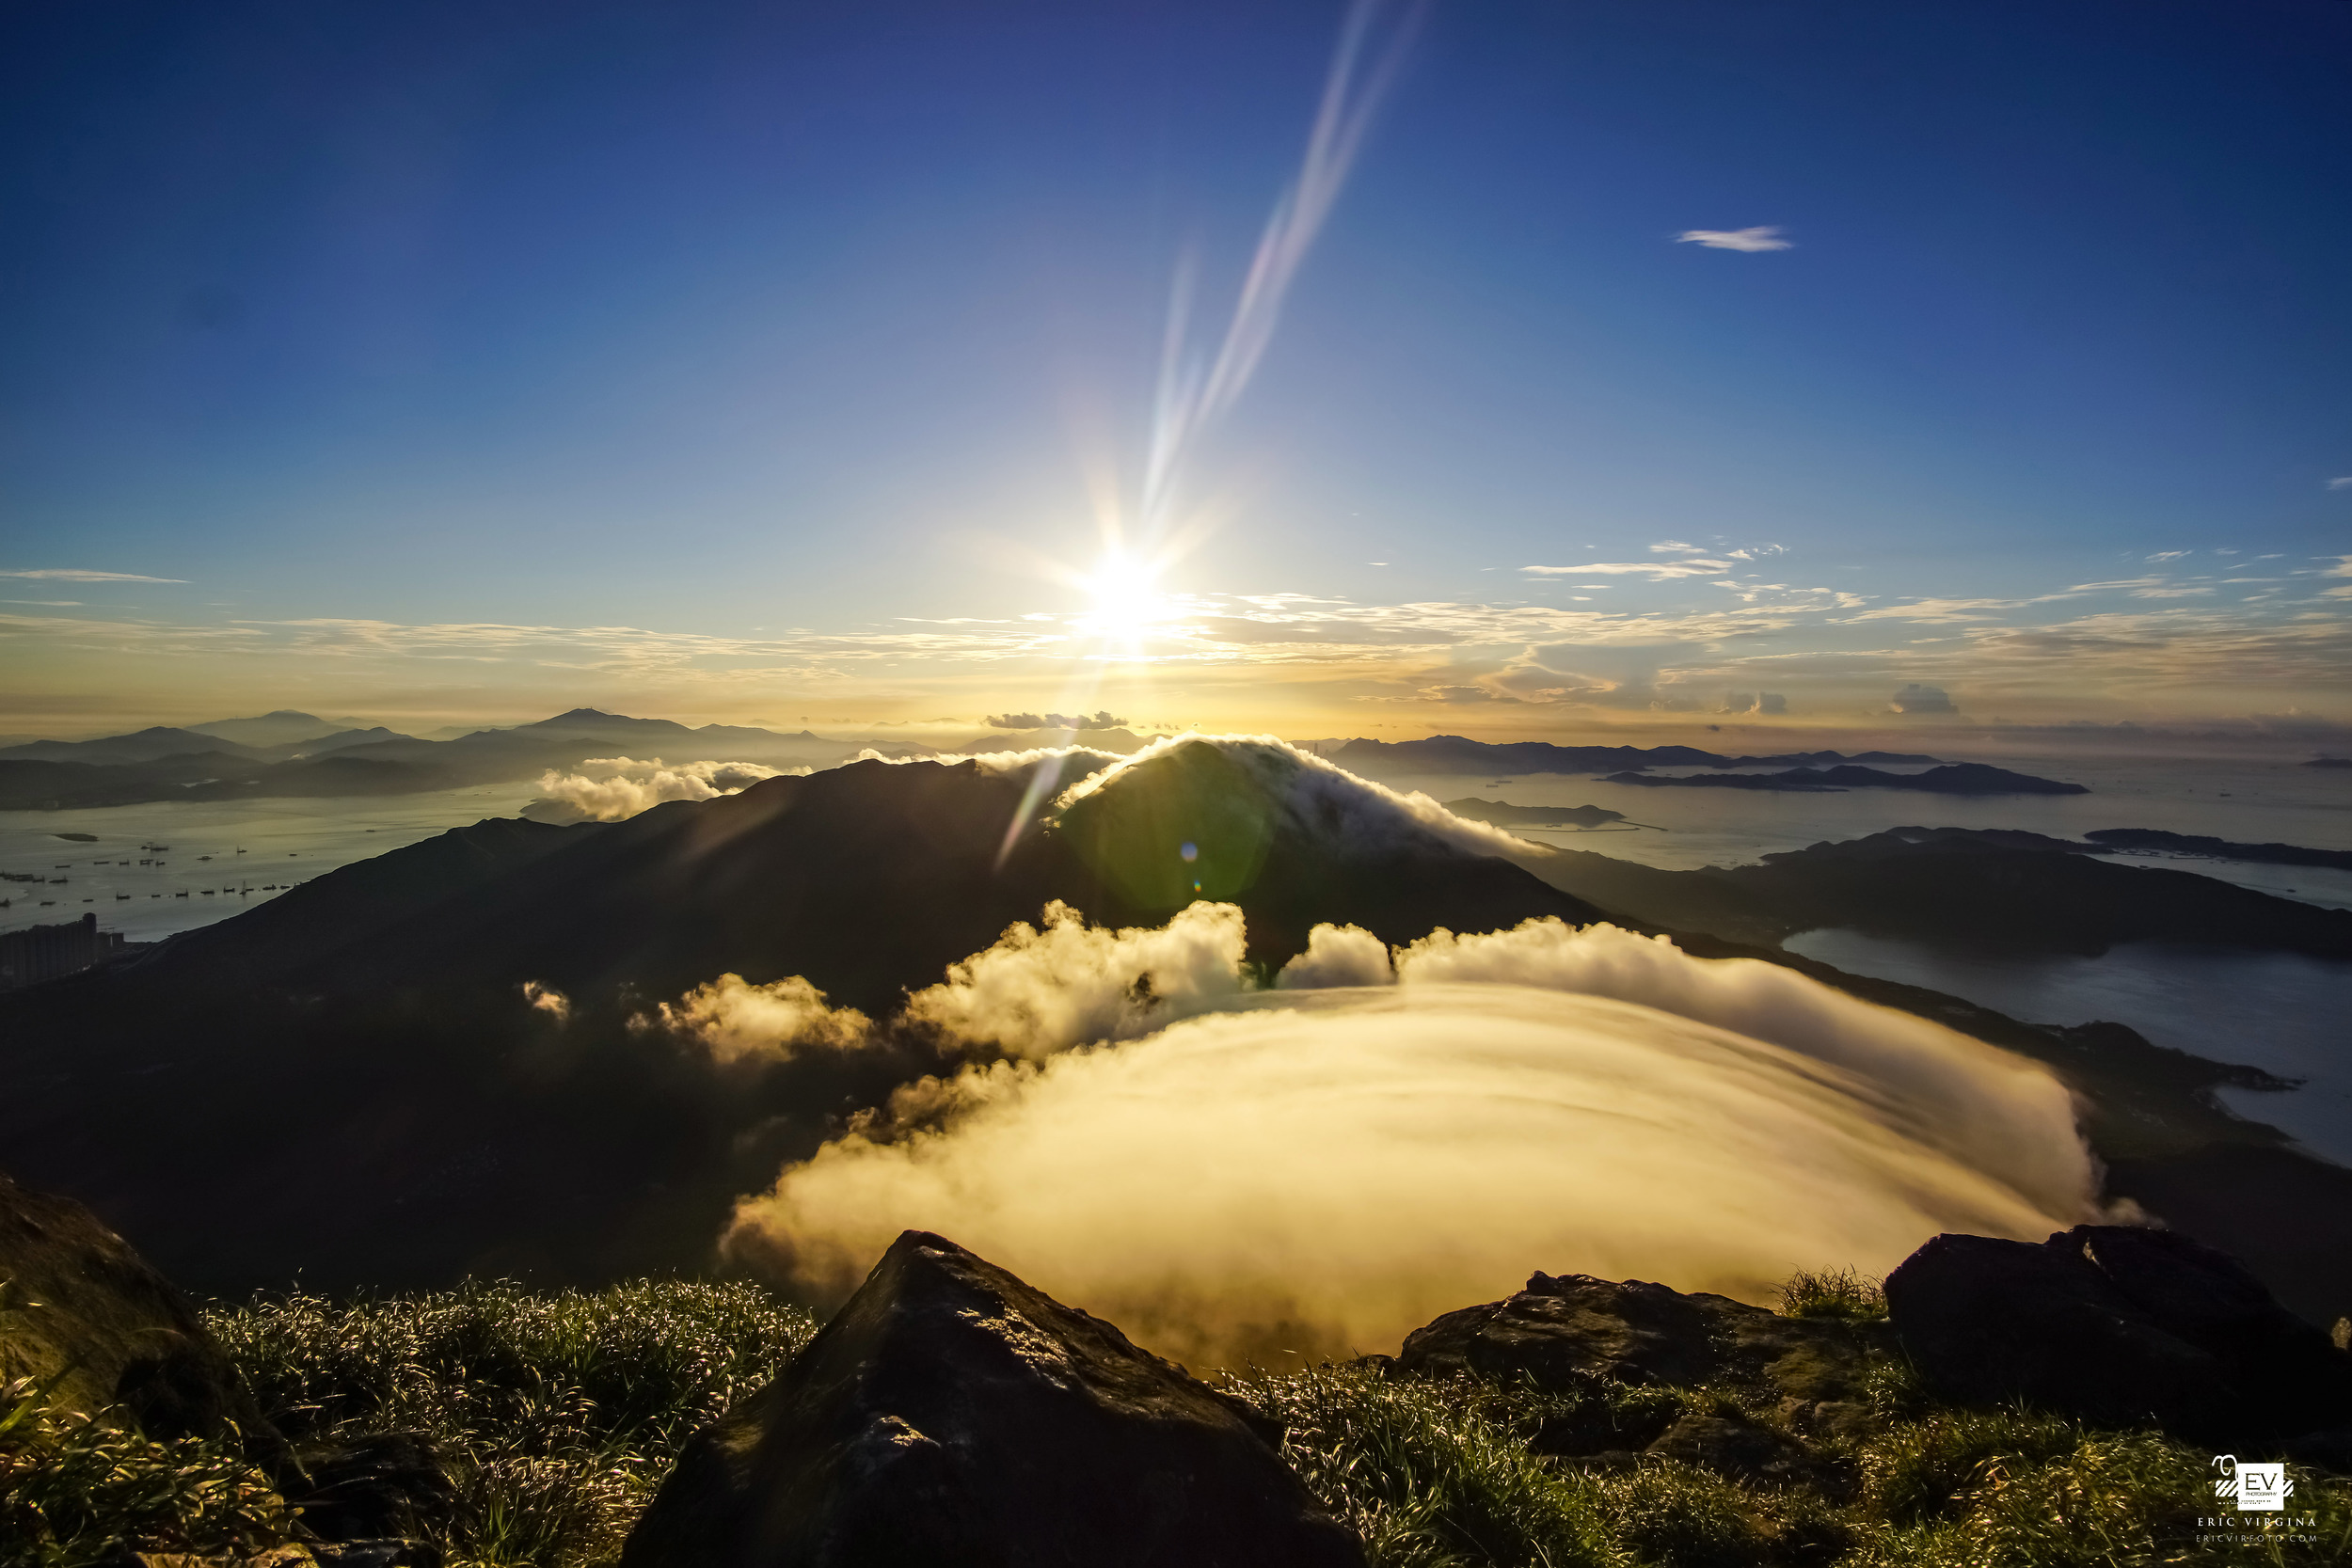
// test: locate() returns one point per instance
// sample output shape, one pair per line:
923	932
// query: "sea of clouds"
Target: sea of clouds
1235	1172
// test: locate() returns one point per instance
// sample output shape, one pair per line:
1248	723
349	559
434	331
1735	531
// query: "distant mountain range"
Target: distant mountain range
201	763
288	755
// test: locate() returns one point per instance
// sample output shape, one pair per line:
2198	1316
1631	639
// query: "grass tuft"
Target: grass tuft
1832	1294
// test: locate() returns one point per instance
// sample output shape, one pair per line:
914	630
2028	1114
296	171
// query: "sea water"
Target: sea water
2281	1012
2256	803
256	849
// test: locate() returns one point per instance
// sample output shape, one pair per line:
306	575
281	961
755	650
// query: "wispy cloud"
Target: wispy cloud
76	574
1734	239
1941	612
2342	481
1657	571
1191	396
2171	555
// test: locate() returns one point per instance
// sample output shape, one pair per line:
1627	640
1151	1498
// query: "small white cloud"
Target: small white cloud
1734	239
2171	555
1674	547
1916	698
74	574
2342	481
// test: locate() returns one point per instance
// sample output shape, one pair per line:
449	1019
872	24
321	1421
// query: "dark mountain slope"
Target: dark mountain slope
350	1081
1978	889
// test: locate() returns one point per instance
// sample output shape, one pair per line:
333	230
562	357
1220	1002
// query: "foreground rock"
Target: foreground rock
1563	1331
83	1313
2120	1325
952	1413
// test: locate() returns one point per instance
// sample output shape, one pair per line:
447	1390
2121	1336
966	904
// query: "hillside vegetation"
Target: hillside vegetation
537	1426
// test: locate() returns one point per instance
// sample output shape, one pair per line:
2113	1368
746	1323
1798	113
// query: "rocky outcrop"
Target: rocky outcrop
952	1413
1563	1331
2119	1324
83	1314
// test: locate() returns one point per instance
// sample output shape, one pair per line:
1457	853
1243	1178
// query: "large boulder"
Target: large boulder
1563	1330
85	1315
2119	1325
952	1413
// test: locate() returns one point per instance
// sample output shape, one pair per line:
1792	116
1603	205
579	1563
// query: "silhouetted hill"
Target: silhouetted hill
282	728
337	740
1958	886
181	765
867	878
2217	848
146	745
349	1079
27	784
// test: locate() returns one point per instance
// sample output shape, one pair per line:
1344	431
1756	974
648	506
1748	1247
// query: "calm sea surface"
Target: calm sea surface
2279	1011
284	843
2246	802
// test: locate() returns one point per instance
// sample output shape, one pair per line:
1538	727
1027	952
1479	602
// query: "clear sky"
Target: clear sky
805	362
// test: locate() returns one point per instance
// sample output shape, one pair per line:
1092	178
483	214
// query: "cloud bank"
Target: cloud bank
1322	1168
610	789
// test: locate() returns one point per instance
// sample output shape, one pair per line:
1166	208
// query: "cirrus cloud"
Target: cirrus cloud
1766	238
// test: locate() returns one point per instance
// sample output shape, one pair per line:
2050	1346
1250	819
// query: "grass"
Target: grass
73	1488
556	1416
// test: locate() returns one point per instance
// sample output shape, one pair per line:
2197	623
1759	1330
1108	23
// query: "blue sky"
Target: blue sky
754	361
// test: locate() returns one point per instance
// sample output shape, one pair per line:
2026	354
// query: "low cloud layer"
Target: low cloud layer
1324	1166
610	789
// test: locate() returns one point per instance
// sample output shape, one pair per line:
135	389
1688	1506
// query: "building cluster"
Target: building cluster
45	952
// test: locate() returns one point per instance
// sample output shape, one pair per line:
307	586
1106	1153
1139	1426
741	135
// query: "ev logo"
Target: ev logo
2258	1488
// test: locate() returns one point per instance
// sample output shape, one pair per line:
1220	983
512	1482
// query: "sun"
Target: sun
1124	600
